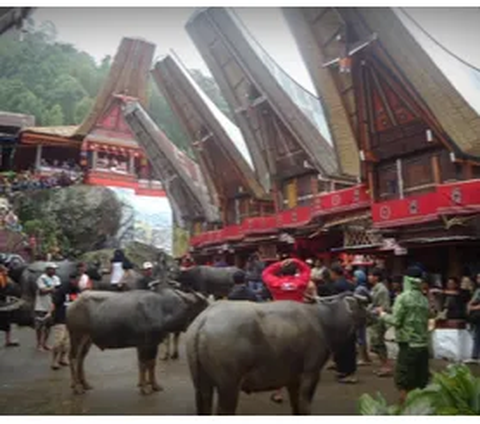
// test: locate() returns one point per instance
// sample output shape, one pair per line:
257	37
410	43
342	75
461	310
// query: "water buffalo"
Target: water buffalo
25	277
136	318
254	347
207	280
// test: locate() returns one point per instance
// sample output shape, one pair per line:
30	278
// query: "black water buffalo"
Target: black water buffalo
207	280
254	347
137	318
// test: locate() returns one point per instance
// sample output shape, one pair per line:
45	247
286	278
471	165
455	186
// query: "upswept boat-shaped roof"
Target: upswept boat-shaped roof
247	76
180	176
217	143
321	34
13	16
128	76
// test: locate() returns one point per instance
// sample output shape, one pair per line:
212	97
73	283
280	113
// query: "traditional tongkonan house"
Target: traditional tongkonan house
286	132
190	200
384	88
220	151
110	151
103	145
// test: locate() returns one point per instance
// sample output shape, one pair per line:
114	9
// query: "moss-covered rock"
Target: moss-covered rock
74	219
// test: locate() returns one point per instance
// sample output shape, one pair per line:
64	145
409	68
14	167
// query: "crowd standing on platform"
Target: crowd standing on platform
28	181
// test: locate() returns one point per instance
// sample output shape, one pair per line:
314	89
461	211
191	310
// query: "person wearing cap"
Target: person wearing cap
240	290
46	284
147	276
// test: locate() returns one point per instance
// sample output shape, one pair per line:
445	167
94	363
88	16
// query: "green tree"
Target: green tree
82	109
54	116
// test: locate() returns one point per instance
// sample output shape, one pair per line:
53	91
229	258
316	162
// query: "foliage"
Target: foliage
75	219
454	391
58	84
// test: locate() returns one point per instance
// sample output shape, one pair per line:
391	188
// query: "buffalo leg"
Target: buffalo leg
85	347
294	395
152	378
142	372
151	363
166	346
74	351
176	337
308	384
227	400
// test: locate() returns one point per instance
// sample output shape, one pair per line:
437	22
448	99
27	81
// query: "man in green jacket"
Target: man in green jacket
410	318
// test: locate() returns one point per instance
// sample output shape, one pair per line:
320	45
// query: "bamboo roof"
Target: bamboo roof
238	63
302	24
128	76
13	16
407	59
180	176
223	157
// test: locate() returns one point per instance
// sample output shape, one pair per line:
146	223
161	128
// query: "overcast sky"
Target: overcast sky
98	31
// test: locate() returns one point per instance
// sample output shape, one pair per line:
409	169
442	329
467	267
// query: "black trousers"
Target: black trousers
345	357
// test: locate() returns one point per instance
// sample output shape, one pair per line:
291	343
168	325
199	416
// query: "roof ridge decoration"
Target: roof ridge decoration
197	114
128	76
220	37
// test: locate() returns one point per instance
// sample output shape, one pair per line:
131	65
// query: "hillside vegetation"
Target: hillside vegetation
57	83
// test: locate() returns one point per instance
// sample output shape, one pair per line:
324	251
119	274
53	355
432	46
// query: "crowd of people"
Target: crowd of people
27	181
406	303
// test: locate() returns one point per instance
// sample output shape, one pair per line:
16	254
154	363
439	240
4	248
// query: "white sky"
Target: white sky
98	31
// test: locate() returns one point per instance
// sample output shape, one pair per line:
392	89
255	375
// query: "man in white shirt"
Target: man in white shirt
46	284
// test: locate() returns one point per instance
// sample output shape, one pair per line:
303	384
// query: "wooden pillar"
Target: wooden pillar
94	159
131	164
436	170
38	157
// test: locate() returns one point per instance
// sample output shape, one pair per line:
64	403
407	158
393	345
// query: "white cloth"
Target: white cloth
43	302
117	272
83	282
452	344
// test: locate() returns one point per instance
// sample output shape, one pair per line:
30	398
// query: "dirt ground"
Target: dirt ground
29	386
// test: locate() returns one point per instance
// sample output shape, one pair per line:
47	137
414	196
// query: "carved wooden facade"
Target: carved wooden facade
287	139
417	137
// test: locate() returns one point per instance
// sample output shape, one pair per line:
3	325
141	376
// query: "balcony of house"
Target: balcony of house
340	201
459	198
121	168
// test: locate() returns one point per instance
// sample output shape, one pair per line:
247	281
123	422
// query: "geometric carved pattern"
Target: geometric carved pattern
353	237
